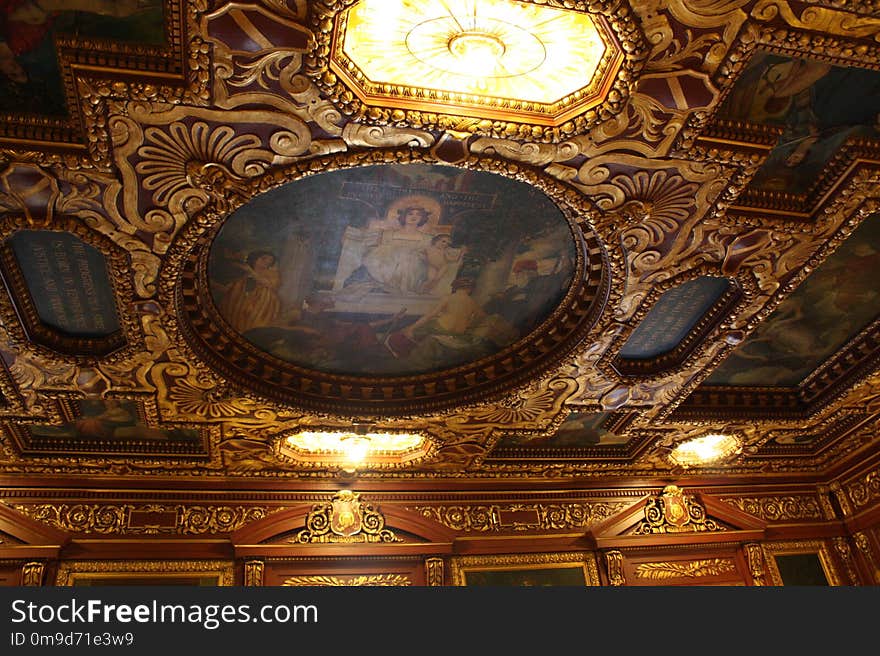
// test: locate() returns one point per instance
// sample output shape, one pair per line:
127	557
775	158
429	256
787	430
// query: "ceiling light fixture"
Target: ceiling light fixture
478	58
710	448
352	449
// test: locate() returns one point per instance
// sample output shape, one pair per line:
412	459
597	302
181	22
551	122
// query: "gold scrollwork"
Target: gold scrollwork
864	490
675	512
113	519
345	519
548	517
690	569
348	581
778	509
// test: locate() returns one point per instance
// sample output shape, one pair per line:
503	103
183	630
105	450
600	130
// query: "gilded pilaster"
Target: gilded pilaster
32	573
614	564
253	573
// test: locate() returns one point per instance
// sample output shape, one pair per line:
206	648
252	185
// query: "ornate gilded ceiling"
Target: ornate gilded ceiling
211	241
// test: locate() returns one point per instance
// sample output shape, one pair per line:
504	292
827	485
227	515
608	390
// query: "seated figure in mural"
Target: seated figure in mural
316	336
523	303
393	258
455	330
443	262
251	300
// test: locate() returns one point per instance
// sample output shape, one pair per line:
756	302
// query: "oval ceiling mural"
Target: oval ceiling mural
391	270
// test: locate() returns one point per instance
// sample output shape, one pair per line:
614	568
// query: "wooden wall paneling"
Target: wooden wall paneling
674	566
10	573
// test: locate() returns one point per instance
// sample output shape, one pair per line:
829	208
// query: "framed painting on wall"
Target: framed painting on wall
145	572
549	569
800	563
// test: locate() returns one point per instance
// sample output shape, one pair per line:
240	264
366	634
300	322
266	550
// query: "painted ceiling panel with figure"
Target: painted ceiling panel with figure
579	430
819	106
107	424
391	270
30	76
830	307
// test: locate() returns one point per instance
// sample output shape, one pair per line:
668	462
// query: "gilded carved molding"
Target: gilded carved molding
546	517
844	553
461	564
819	547
32	573
778	509
692	569
842	499
219	571
356	580
253	573
819	19
864	490
614	565
863	544
151	519
434	571
755	557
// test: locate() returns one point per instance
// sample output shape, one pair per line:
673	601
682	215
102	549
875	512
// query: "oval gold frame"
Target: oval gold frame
252	369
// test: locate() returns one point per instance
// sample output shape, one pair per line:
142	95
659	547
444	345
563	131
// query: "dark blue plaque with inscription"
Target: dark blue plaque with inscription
68	282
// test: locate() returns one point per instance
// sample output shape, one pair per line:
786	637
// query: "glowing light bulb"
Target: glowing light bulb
355	448
478	52
705	449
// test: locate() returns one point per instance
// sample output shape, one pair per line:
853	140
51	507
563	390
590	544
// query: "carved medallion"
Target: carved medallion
674	507
345	518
